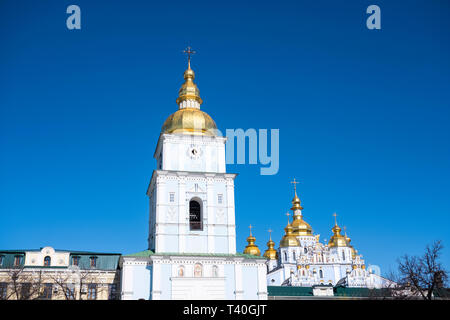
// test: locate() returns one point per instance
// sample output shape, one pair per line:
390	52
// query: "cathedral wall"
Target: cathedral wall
250	282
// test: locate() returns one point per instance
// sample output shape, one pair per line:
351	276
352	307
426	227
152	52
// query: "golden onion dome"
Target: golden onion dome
289	239
189	90
296	204
337	240
271	253
189	119
252	248
300	227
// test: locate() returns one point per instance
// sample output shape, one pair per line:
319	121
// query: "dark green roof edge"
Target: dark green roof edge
289	291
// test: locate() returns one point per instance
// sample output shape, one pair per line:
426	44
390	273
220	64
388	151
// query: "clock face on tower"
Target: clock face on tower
194	152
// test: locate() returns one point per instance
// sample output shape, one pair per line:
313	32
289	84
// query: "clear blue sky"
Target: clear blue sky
363	116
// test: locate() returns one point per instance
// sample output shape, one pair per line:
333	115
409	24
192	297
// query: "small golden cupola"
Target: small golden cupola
347	238
271	252
289	239
189	119
337	239
299	226
252	248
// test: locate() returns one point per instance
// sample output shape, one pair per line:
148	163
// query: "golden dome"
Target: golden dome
270	253
300	227
337	239
252	248
296	203
190	121
289	239
189	90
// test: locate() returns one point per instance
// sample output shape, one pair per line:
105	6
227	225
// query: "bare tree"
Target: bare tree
75	283
423	274
23	284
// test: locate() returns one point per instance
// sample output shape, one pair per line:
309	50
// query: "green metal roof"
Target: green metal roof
105	261
147	253
8	257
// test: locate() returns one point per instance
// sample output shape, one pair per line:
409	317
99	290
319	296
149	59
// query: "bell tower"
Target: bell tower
191	195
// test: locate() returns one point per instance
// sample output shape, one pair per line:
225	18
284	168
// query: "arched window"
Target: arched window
321	273
198	270
47	261
293	253
285	256
195	215
343	255
306	250
181	271
215	271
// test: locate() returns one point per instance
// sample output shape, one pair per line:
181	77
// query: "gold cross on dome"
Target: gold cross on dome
270	233
295	184
250	227
189	52
335	220
288	214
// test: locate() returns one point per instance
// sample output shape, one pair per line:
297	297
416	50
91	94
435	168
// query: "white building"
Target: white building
192	233
303	261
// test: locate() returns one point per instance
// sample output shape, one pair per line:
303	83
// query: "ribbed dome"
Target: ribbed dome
301	227
190	121
289	239
337	240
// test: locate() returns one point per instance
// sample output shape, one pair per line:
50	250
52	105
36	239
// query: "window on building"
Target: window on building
25	290
93	262
75	260
47	261
285	256
70	291
306	250
112	291
343	255
215	271
92	291
293	254
3	289
220	198
195	216
1	260
181	271
172	197
320	273
47	291
17	261
198	270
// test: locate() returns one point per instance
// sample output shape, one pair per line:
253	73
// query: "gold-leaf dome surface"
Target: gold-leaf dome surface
190	121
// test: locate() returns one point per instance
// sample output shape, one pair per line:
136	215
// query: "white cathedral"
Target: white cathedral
192	233
303	261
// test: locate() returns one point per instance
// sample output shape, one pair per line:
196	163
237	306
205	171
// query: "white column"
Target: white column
127	280
156	279
160	214
239	290
210	211
231	216
182	218
262	282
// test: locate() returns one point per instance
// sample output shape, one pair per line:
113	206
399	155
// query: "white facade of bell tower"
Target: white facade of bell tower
191	168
